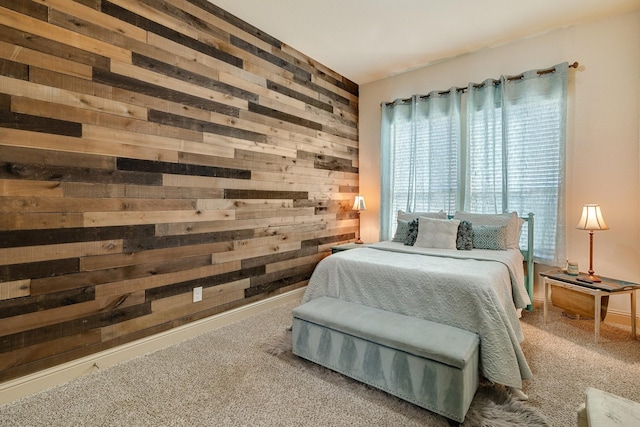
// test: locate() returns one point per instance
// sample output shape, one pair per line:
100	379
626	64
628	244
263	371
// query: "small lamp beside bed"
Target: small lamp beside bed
359	205
591	220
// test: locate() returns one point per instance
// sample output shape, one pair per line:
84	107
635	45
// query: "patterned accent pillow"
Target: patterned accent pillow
464	239
437	233
511	220
490	237
412	234
401	231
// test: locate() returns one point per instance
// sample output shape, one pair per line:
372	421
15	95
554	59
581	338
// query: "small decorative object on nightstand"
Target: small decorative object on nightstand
359	205
591	220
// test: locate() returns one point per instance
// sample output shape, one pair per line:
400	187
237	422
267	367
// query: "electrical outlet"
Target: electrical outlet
197	294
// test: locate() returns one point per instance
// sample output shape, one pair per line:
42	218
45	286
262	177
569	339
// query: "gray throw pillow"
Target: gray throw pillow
401	231
412	234
464	239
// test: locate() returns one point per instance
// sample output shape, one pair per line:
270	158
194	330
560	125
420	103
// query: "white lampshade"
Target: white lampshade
359	205
592	218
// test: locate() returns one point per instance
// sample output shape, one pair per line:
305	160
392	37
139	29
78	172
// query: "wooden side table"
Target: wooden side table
607	287
346	247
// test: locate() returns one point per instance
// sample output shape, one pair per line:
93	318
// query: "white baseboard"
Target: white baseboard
17	388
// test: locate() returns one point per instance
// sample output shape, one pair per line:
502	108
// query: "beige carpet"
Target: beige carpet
227	378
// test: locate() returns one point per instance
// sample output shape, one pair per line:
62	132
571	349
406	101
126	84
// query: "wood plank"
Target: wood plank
38	269
182	304
66	144
203	126
200	97
74	189
94	321
70	204
262	190
20	361
178	307
147	10
38	59
152	141
270	213
147	166
76	174
223	257
273	282
160	280
14	289
64	97
159	242
40	221
100	262
12	187
42	29
187	140
14	69
103	219
33	320
78	12
34	304
235	22
33	237
266	147
71	280
141	20
42	43
27	8
241	205
186	287
61	251
235	94
39	124
54	157
207	227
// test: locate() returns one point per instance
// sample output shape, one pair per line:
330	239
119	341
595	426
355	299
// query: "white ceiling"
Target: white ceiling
366	40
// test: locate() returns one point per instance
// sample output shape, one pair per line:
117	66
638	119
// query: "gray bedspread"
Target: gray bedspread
478	290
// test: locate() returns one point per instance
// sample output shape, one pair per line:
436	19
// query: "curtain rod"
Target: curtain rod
464	89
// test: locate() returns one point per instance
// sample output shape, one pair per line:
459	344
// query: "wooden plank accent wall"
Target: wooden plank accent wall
149	147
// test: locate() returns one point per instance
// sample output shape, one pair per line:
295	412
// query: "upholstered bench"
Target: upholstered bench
602	409
431	365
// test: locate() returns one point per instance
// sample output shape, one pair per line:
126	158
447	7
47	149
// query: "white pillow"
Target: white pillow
403	218
437	233
410	216
511	220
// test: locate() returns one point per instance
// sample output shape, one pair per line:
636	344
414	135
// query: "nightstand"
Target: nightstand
346	247
607	287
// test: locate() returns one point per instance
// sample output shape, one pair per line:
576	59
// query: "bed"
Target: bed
479	290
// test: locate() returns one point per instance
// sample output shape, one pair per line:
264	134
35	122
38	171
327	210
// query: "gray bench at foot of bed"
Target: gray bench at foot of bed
431	365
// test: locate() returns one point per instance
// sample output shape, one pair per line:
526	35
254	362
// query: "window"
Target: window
510	159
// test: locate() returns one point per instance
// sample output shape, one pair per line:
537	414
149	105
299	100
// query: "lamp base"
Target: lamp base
358	242
592	277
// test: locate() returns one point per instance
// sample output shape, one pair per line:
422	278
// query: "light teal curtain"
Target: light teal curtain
484	148
516	153
420	162
512	157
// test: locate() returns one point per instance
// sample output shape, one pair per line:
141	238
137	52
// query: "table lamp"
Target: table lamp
359	205
591	220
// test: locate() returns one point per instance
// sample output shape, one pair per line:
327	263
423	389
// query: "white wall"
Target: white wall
603	130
